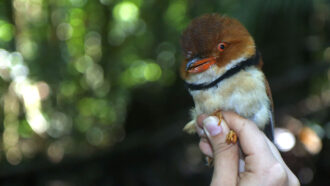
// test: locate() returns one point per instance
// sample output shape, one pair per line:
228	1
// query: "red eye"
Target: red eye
222	46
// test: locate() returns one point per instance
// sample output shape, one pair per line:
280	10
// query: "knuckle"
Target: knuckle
221	148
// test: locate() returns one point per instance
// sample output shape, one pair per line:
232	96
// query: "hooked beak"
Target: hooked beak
197	65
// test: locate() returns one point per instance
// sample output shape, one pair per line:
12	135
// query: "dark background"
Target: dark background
90	92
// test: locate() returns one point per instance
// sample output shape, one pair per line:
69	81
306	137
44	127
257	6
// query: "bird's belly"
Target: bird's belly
244	93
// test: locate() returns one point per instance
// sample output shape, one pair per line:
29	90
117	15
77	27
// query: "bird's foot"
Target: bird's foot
218	115
231	137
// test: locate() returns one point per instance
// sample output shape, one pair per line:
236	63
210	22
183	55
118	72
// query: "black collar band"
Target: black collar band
252	61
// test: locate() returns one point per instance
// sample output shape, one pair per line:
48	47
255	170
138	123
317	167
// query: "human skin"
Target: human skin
263	162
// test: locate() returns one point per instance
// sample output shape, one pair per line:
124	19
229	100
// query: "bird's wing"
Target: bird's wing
269	128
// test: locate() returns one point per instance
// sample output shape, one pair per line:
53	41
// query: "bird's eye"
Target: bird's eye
222	46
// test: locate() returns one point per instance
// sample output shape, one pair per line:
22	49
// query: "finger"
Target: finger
293	180
251	139
205	147
225	155
200	132
200	120
261	154
274	151
199	125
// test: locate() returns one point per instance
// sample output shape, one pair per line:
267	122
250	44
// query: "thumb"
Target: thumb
225	155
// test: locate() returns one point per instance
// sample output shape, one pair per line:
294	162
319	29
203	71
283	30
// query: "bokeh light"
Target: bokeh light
126	11
55	152
311	140
6	31
64	31
175	14
305	175
141	72
284	139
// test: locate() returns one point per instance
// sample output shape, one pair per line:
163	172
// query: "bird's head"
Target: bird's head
213	43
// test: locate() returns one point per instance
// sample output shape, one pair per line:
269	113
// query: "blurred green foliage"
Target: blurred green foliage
70	70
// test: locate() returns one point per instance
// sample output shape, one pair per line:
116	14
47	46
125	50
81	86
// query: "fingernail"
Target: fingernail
211	126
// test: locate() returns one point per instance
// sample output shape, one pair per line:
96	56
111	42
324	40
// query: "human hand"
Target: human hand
263	163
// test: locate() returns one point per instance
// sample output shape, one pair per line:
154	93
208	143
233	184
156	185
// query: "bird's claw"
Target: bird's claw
231	137
218	115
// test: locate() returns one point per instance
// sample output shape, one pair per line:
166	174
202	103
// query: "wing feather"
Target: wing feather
269	128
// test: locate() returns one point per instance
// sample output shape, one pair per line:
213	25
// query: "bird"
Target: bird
222	70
